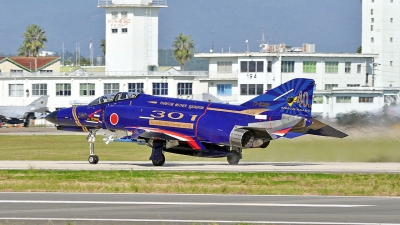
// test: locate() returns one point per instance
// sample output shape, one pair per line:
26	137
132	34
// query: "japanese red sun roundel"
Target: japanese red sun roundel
114	119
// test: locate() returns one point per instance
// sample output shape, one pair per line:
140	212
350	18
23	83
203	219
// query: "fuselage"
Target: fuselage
208	122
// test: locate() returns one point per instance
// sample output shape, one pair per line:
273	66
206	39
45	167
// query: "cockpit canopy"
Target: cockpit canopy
114	97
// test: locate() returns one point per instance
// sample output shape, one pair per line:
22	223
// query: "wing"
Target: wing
147	132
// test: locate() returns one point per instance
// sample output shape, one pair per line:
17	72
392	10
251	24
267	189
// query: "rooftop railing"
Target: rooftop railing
119	3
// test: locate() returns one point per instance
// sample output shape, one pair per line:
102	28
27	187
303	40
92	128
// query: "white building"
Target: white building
381	36
131	35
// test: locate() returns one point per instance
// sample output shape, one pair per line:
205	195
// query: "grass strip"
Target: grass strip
254	183
382	148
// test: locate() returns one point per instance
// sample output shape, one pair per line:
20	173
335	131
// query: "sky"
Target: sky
333	26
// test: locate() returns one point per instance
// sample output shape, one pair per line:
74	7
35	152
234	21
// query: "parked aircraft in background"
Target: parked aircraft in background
198	128
23	114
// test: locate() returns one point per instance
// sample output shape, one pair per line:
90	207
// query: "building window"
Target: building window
185	88
347	67
391	20
287	67
343	99
372	27
331	67
251	89
353	85
372	0
224	89
372	20
358	68
114	30
16	72
318	99
366	99
39	89
391	63
87	89
391	39
252	66
124	15
269	86
309	67
63	89
114	15
111	88
372	11
46	72
124	30
135	87
330	86
16	90
224	67
372	40
160	88
269	67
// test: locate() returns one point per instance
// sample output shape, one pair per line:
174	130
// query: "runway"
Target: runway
59	208
314	167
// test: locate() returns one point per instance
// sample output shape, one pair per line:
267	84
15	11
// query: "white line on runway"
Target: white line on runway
191	221
184	203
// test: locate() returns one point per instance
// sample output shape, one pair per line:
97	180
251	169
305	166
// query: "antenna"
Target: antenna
212	46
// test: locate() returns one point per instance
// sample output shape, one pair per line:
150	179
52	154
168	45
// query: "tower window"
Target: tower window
372	27
372	11
114	31
391	63
372	20
372	40
124	30
114	15
391	39
391	20
124	15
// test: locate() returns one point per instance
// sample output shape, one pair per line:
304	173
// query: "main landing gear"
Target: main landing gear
157	155
93	159
235	157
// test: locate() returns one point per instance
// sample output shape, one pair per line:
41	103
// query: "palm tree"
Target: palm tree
103	46
35	37
183	49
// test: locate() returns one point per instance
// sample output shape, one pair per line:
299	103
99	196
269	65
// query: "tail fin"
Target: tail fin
40	102
294	97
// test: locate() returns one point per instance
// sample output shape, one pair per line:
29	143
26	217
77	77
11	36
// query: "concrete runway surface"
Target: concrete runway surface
315	167
60	208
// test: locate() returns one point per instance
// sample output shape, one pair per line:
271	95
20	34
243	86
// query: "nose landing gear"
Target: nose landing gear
93	159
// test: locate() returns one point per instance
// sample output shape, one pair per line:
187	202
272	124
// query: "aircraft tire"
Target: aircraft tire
93	159
234	158
159	162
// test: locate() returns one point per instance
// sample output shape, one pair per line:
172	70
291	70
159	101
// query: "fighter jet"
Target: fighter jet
197	128
23	114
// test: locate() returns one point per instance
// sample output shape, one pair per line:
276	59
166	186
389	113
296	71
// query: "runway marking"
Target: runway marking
184	203
192	221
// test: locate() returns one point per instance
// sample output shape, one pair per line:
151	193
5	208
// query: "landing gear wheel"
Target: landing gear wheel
234	158
93	159
159	162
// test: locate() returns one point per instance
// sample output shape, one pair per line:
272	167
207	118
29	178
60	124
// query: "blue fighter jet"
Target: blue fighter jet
198	128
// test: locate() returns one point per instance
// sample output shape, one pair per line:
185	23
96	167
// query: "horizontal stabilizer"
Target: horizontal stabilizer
321	129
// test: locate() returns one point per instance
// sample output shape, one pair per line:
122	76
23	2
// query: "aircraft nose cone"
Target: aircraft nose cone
52	117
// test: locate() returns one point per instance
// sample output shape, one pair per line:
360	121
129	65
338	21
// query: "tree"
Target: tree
359	50
103	46
35	37
183	49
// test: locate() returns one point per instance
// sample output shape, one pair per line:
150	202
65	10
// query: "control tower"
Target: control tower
131	35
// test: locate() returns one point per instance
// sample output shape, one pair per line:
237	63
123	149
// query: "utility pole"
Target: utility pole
373	73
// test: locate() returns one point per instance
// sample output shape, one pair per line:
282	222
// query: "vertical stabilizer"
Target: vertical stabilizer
294	97
40	102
